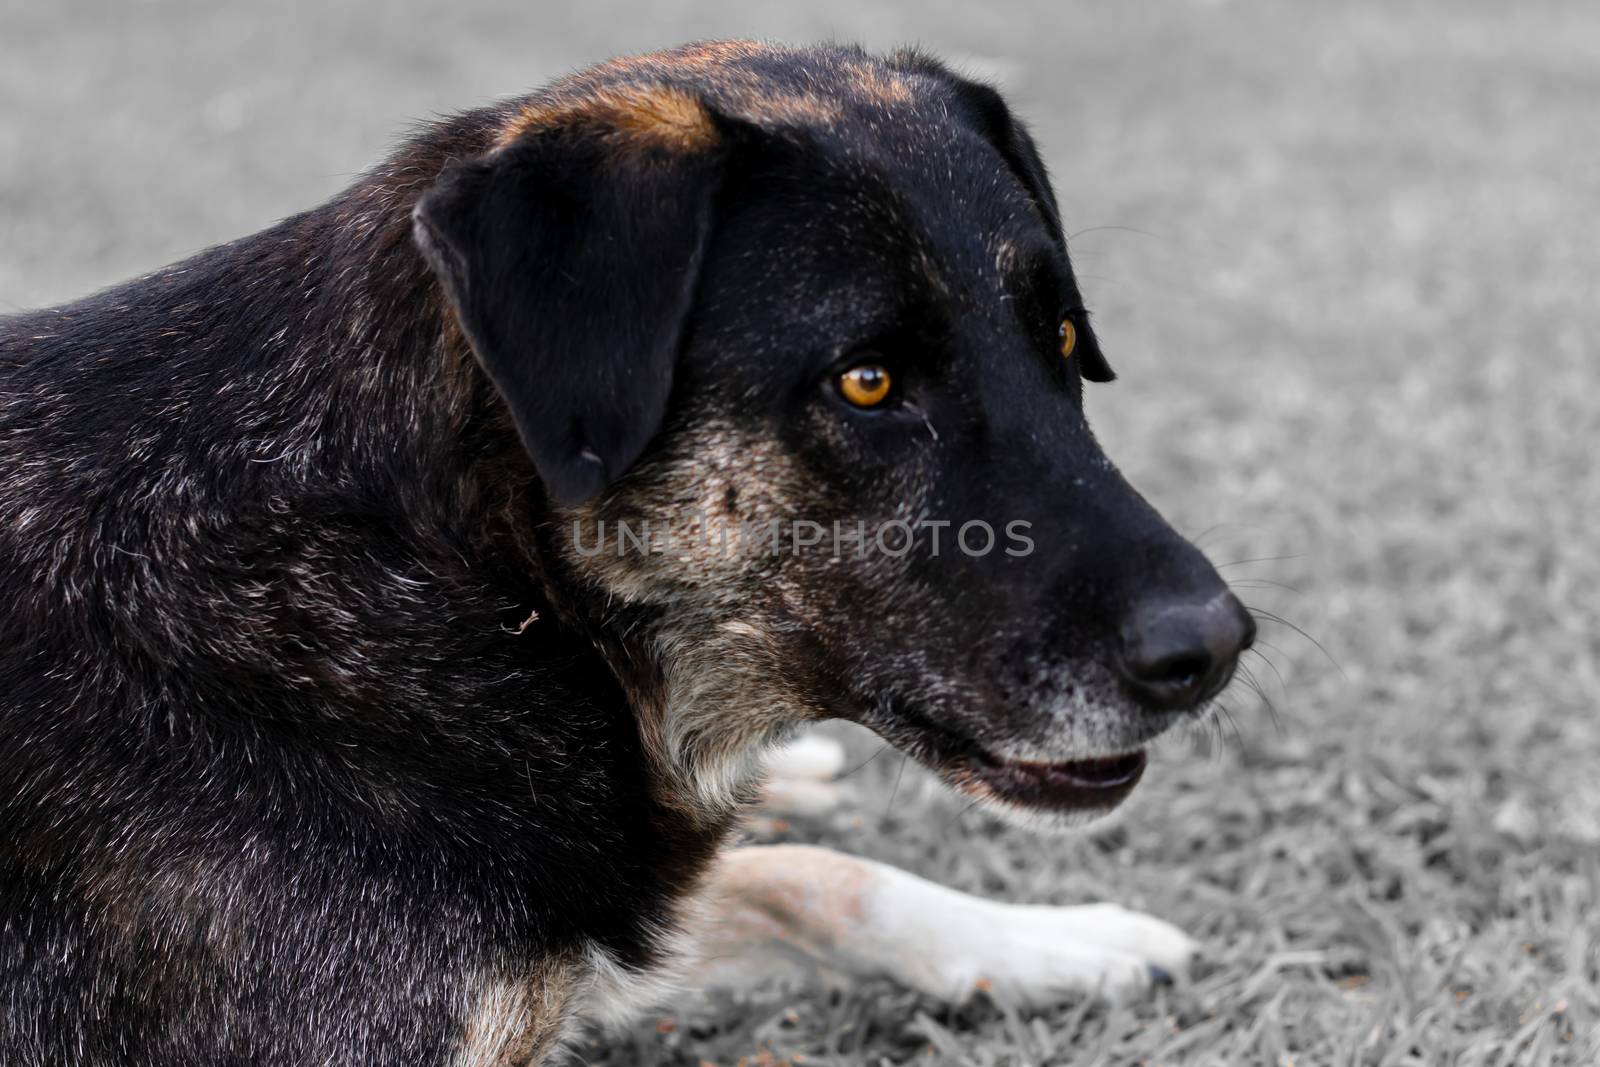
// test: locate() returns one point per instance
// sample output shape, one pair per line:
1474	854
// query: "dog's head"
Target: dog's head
794	343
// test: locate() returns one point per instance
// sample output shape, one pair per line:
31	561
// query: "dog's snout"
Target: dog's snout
1176	654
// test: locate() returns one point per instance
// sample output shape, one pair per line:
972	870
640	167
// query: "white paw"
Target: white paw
800	796
1050	975
1111	926
809	756
1032	956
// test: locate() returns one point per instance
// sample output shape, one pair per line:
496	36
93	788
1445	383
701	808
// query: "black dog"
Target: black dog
347	715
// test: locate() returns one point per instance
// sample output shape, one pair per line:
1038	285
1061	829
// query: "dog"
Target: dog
379	680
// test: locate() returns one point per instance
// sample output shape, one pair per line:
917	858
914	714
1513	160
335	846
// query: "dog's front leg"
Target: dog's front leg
865	918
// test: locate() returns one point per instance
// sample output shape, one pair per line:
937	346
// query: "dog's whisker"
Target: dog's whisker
1116	229
1262	613
1262	583
1262	642
1254	686
1225	724
1260	647
1248	678
959	815
1214	527
880	750
1273	667
894	792
1260	559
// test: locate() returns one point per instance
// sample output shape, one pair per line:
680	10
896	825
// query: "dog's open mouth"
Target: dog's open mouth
1075	785
1089	786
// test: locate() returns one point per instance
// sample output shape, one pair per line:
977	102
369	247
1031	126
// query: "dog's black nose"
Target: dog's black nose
1176	654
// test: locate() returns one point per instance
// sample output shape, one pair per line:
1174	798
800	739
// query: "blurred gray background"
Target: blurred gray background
1344	256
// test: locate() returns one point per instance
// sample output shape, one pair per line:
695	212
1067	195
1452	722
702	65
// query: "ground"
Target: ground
1344	257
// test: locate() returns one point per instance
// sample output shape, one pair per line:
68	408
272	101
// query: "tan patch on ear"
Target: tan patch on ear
633	117
878	85
652	101
871	81
707	54
747	93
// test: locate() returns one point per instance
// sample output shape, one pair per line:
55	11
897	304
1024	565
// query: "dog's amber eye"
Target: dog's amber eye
865	385
1069	338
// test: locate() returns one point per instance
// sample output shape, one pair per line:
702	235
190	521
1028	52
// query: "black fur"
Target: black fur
307	722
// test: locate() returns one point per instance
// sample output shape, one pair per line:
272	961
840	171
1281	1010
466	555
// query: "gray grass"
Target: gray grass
1345	257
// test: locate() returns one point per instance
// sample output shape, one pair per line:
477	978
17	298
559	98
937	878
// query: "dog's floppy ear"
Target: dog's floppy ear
1016	146
570	256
